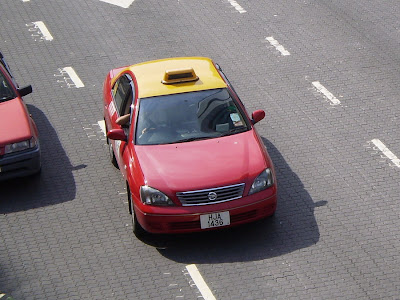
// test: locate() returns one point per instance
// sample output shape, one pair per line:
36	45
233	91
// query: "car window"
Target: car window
123	93
5	65
6	91
188	116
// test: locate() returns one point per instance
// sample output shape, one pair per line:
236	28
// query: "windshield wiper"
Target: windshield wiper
6	98
193	139
196	138
234	130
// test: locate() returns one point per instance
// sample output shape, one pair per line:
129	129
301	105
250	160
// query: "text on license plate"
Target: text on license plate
215	220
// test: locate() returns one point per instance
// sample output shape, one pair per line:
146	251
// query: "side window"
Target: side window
126	107
122	92
6	92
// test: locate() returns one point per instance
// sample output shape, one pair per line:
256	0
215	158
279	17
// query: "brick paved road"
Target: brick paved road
68	234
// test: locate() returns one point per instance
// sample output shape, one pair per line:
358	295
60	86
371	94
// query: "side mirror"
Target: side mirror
257	116
116	134
25	90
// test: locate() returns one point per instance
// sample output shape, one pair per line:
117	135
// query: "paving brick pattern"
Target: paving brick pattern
68	234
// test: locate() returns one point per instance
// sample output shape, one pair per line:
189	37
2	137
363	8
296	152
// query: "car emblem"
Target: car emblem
212	196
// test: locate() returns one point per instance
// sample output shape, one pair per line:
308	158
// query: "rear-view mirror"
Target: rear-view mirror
116	134
25	90
257	116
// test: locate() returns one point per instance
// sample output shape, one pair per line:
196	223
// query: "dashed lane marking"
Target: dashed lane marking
102	126
95	132
389	154
200	283
278	46
44	31
74	77
121	3
237	6
326	93
68	76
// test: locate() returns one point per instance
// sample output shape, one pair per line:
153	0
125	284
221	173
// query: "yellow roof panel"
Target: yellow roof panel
149	76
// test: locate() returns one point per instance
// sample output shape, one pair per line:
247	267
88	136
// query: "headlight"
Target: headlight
262	182
20	146
151	196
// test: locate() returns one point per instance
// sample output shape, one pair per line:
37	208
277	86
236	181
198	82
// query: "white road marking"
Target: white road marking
389	154
121	3
26	0
102	126
237	6
43	29
326	93
74	77
200	283
278	46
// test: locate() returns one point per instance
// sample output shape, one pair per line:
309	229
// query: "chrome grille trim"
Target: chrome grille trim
200	197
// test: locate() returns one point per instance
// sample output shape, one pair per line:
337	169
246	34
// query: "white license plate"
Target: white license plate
215	220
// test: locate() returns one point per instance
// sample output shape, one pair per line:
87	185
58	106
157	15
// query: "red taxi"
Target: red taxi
19	144
188	151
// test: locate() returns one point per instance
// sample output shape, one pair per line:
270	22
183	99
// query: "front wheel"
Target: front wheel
111	154
137	228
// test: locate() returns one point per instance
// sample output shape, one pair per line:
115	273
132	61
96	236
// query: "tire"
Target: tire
38	172
137	228
111	153
35	177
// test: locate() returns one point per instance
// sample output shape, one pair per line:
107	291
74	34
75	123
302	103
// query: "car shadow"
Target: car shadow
55	184
292	227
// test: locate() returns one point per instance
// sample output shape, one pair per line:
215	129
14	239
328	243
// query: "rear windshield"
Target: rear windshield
188	116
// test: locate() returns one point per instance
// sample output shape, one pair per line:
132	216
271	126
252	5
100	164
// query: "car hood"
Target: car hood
14	122
203	164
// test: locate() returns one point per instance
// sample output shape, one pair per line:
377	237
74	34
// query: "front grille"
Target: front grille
211	196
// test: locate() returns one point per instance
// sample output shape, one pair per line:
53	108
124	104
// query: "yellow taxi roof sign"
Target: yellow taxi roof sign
179	75
149	76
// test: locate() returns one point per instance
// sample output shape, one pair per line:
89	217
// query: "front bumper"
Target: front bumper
20	164
244	210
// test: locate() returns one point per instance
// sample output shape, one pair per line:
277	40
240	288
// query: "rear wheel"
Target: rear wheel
137	228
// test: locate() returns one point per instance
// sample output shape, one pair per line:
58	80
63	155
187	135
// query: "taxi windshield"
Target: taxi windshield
6	92
187	117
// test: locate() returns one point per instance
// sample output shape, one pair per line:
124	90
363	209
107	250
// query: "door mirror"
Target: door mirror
257	116
25	90
116	134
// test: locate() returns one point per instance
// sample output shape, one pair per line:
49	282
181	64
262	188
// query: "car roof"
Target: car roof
149	76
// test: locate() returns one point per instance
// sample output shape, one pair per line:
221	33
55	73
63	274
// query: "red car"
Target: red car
19	143
189	153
